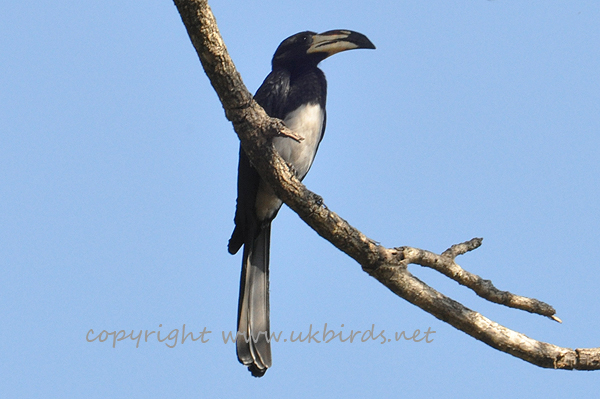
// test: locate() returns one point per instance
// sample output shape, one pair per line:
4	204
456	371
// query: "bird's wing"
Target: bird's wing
271	96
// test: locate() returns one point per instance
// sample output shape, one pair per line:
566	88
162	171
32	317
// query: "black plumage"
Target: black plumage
295	91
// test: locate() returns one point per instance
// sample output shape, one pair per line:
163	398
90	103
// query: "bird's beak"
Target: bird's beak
335	41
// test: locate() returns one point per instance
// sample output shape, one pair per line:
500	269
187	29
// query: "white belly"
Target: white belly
307	122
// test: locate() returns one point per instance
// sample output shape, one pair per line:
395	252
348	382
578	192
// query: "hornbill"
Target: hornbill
294	92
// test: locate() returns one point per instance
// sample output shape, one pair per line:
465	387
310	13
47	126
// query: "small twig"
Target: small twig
281	130
445	264
462	248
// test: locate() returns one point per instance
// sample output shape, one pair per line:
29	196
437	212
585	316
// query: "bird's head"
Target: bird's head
309	48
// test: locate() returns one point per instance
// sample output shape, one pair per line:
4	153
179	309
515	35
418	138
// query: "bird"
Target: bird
295	91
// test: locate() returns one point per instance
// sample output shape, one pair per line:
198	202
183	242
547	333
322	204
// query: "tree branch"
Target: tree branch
484	288
388	265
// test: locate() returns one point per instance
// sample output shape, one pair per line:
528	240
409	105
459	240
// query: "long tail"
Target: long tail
253	336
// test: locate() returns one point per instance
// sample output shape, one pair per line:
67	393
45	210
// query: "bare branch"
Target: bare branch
542	354
389	266
463	248
445	264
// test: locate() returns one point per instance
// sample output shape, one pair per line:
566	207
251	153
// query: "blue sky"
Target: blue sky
117	193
